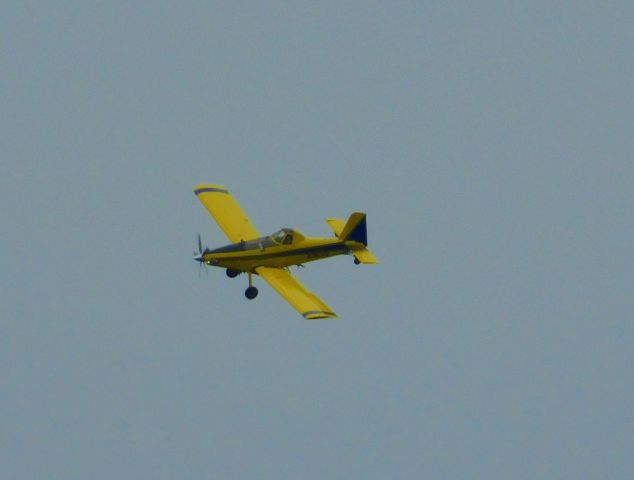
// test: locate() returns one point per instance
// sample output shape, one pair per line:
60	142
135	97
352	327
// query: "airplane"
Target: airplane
271	256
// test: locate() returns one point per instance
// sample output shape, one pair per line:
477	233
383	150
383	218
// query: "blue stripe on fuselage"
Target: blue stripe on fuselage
304	251
237	247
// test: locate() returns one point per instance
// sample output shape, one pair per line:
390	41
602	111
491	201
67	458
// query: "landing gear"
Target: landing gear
251	292
231	273
356	261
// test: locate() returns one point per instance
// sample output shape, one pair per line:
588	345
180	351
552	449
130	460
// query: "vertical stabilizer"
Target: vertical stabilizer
355	229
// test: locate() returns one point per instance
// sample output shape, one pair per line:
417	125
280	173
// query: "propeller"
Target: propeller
198	256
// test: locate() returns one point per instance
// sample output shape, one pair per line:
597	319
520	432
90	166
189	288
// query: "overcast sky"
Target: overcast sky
491	145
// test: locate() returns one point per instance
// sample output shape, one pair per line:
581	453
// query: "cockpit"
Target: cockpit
283	236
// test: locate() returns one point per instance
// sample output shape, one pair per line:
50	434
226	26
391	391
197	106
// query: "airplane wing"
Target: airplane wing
227	212
305	302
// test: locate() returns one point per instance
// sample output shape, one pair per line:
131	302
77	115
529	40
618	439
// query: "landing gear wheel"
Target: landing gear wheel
251	293
356	261
231	273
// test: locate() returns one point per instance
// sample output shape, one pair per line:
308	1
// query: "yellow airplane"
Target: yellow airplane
270	256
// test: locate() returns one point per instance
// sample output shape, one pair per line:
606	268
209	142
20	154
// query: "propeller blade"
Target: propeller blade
198	256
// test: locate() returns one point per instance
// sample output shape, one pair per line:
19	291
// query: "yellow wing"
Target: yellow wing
227	212
305	302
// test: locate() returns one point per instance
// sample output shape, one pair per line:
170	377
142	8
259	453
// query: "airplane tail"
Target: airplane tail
355	229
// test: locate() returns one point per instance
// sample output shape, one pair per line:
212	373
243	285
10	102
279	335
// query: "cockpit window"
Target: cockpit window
283	236
278	236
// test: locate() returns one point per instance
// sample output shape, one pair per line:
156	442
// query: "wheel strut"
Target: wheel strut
251	292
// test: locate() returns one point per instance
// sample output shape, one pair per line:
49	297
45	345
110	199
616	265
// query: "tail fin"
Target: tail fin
354	229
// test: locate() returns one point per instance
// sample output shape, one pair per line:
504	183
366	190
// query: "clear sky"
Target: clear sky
490	143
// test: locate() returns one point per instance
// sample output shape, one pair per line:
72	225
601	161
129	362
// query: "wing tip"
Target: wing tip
206	187
318	314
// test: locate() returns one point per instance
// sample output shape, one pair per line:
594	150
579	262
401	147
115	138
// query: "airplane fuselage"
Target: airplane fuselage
248	255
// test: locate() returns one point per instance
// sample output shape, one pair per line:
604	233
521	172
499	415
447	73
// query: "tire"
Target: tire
231	273
251	293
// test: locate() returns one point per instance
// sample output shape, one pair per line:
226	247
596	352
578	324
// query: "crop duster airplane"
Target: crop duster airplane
270	256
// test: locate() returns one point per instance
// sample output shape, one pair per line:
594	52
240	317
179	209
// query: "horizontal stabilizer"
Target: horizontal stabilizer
336	224
365	256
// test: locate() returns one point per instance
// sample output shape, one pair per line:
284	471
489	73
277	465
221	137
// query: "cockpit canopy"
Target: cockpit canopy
284	236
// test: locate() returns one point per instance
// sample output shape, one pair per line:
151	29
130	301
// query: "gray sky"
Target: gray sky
490	144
